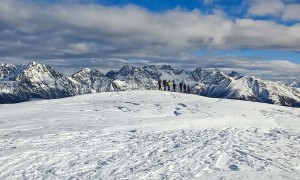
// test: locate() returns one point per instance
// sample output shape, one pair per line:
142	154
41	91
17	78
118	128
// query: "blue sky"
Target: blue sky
256	37
161	5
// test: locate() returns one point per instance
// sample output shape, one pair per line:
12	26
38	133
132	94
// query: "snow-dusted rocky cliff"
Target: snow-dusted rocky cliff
91	80
293	83
217	84
22	82
145	77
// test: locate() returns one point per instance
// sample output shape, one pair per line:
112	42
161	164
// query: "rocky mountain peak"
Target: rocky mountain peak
130	70
3	65
167	67
151	67
198	69
87	72
127	68
234	74
218	72
32	63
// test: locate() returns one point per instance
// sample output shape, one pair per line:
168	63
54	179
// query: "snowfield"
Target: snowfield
148	135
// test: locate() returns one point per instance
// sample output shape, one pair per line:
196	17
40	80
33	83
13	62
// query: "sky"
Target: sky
252	37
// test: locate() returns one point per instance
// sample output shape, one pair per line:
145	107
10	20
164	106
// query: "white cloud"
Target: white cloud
206	1
266	7
81	48
291	12
286	10
273	69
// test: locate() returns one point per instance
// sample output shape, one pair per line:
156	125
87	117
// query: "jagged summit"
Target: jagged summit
234	74
5	65
154	67
129	70
167	67
22	82
32	63
88	72
91	80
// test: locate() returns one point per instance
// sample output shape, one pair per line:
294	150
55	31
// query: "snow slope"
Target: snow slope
148	135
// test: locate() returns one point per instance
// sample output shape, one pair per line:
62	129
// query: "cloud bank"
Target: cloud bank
286	10
85	31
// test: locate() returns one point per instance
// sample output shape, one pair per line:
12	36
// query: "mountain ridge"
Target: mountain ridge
19	83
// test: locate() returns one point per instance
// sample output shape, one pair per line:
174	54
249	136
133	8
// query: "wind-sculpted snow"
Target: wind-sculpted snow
184	154
22	82
148	135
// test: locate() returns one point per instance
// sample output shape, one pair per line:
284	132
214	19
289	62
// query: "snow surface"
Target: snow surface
148	135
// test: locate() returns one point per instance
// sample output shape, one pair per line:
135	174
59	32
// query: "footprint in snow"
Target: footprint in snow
132	131
176	112
183	105
133	103
234	167
124	109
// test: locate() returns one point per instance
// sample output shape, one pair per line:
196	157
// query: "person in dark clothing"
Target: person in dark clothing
174	86
188	89
169	85
180	86
164	84
184	88
159	84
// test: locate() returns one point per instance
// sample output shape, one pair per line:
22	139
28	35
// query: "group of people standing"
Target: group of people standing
166	86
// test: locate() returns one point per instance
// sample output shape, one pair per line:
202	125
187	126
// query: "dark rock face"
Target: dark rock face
22	82
234	74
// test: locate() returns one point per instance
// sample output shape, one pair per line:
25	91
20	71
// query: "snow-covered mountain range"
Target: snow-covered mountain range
21	82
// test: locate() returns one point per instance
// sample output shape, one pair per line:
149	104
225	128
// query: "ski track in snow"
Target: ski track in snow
148	135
